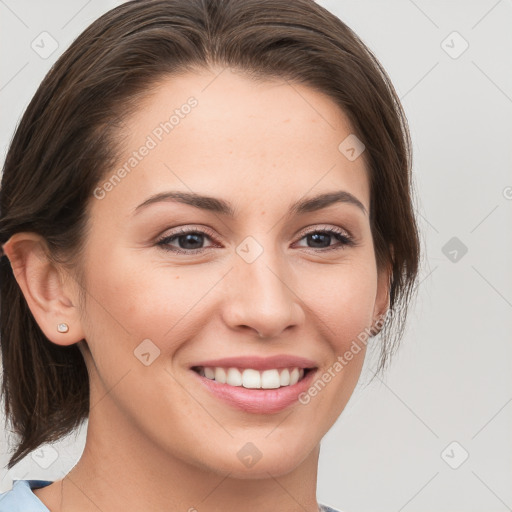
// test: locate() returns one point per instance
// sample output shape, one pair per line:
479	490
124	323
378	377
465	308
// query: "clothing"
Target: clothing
323	508
21	498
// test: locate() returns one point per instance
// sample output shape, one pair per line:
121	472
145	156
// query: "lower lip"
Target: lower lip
258	401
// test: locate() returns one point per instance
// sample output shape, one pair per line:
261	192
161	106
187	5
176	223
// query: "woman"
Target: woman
205	213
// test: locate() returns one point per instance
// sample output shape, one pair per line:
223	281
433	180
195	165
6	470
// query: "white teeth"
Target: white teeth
270	379
285	377
220	375
253	379
234	377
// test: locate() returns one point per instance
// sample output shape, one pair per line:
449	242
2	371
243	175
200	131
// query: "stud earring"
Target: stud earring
62	327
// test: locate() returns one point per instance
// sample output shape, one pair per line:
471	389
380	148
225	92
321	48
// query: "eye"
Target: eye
188	240
321	239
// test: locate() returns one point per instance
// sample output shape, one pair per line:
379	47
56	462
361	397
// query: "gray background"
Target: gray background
402	442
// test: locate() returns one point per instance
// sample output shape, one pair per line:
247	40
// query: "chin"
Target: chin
248	460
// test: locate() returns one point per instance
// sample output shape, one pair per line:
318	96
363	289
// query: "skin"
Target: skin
156	439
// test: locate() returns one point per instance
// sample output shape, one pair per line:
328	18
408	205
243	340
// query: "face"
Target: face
185	293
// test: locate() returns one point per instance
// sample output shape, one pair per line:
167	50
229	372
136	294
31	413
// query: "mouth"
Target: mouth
251	378
254	384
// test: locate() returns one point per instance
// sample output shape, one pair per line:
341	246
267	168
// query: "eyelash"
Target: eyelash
341	235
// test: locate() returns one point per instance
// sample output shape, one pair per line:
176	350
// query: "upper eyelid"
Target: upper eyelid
209	232
322	227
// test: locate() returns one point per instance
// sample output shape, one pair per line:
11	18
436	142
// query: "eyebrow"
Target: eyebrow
221	206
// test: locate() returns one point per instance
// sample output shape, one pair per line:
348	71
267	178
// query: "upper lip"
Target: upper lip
259	363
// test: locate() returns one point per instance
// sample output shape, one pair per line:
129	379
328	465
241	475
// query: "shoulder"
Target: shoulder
323	508
20	497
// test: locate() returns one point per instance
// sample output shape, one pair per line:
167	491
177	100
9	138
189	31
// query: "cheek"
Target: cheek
134	298
130	303
147	299
342	297
144	298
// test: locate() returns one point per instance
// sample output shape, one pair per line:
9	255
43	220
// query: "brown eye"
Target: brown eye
189	241
321	239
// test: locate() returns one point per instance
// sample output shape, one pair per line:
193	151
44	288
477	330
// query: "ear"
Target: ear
382	299
51	293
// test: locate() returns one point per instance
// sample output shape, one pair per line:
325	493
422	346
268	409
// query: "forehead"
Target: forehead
222	133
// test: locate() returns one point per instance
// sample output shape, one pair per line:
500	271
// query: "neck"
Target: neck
122	469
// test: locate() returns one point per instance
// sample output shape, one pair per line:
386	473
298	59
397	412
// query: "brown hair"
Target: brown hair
66	142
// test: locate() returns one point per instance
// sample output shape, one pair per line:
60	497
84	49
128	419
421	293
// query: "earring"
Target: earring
62	327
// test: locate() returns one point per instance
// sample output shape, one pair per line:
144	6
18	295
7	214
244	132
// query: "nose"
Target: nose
260	296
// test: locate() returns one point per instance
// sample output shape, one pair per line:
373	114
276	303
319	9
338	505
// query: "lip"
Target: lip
260	363
258	401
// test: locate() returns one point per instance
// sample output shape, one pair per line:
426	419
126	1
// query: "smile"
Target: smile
253	379
254	384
